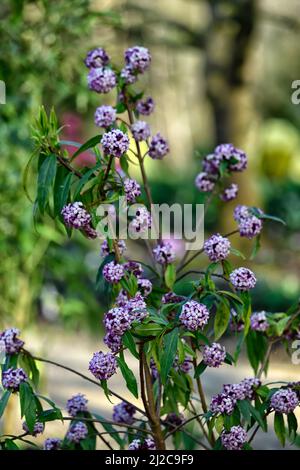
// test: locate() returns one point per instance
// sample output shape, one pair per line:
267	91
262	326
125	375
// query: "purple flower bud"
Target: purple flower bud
103	365
242	279
9	341
137	444
128	75
37	429
217	247
105	116
137	58
96	58
12	378
124	413
234	439
134	268
194	315
115	143
158	147
75	215
113	341
240	161
172	298
284	401
173	420
204	182
142	221
101	80
225	151
211	163
140	130
230	193
221	403
52	443
105	251
77	432
214	355
113	272
250	227
77	404
164	253
136	306
118	320
145	107
145	286
259	321
132	190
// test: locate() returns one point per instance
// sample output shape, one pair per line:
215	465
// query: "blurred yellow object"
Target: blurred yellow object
279	144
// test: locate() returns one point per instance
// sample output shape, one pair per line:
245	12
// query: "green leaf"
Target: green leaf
29	364
109	428
236	252
3	401
84	179
62	187
168	355
243	406
129	343
292	424
151	329
124	164
46	178
200	369
256	247
87	145
28	405
231	295
219	424
258	417
50	415
170	276
10	445
279	428
128	375
221	319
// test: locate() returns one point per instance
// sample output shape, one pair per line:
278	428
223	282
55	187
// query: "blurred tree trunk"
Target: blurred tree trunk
229	35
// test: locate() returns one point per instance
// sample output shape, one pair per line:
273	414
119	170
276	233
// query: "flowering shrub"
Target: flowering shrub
173	337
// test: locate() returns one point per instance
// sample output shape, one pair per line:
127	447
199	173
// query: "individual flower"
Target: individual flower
128	75
141	222
140	130
117	320
105	116
77	432
105	250
158	147
75	215
124	413
145	107
134	267
217	247
77	404
225	151
259	321
250	227
101	79
37	429
115	143
222	404
214	355
12	378
90	232
239	162
184	366
137	444
103	365
113	341
132	190
230	193
9	341
194	316
244	212
96	58
234	439
204	182
137	58
173	420
113	272
145	286
211	163
284	401
52	443
164	253
242	279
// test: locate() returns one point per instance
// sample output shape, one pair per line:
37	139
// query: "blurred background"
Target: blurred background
222	71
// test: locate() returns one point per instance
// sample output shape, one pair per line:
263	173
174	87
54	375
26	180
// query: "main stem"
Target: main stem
149	401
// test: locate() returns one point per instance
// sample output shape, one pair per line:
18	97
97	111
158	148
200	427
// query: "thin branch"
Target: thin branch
122	425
